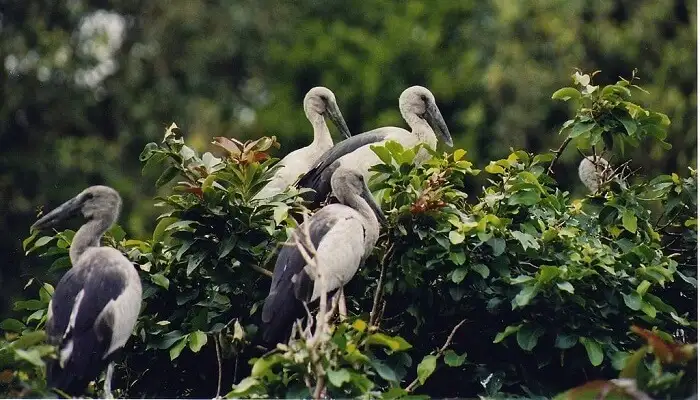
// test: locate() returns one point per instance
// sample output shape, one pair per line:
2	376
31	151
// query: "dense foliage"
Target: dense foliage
523	290
86	84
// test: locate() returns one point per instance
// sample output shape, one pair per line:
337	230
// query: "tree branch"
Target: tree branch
413	385
557	154
379	291
218	364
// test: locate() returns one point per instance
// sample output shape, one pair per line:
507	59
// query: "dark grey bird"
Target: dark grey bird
343	236
96	303
319	102
418	108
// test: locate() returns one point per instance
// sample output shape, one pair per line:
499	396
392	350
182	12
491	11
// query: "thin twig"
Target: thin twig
218	364
557	154
413	385
380	288
262	270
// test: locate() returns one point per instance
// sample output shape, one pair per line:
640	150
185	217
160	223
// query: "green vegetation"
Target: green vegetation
519	290
240	69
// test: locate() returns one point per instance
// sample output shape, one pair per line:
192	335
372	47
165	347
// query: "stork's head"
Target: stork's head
418	101
348	184
321	101
94	203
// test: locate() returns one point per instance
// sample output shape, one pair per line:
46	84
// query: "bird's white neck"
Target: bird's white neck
88	235
322	136
371	223
422	130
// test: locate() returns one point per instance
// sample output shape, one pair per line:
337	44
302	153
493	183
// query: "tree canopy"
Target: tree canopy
522	289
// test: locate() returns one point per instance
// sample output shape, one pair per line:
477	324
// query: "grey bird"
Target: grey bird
319	103
96	303
343	236
418	108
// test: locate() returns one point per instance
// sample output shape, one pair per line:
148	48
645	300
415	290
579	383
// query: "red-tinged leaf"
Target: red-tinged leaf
666	352
232	146
196	191
260	156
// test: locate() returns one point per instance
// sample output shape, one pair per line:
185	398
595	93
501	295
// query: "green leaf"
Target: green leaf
547	273
632	300
507	332
458	257
566	94
580	128
626	121
459	154
160	280
565	341
177	349
525	295
280	213
643	287
384	370
197	340
44	240
394	393
632	364
456	237
528	336
526	240
30	305
337	378
32	356
595	352
482	270
166	176
383	153
498	245
566	286
426	367
160	228
629	220
648	309
12	325
494	168
453	359
394	343
194	261
459	274
524	197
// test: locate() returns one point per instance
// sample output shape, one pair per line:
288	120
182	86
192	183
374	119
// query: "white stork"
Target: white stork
96	303
343	235
319	102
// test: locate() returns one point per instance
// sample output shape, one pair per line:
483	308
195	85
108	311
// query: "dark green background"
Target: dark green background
241	69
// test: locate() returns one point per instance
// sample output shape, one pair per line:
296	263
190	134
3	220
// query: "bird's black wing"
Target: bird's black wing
319	177
282	306
85	339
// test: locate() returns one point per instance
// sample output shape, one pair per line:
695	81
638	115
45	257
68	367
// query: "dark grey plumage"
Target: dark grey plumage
96	303
343	236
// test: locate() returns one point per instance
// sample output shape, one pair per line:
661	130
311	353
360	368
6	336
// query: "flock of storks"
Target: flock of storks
96	303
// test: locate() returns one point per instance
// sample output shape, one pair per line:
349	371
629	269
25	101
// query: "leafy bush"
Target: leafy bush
522	290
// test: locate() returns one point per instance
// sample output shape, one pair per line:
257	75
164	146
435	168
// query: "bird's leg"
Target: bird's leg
342	308
108	381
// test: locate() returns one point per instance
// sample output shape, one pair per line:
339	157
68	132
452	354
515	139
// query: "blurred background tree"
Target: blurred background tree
86	84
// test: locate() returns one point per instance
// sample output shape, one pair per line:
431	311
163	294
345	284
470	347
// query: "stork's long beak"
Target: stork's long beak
66	210
336	117
367	195
437	122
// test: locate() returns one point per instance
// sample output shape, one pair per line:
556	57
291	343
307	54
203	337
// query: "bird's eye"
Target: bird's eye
89	196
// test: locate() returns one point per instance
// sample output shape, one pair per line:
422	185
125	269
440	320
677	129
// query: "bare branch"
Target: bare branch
218	364
557	154
379	291
262	270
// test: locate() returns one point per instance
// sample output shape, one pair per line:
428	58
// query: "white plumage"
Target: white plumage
318	103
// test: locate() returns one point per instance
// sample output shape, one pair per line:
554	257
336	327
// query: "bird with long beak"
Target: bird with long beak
319	103
96	303
419	110
343	236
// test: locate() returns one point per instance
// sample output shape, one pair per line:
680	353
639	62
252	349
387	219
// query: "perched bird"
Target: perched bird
343	236
96	303
593	172
319	102
418	108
